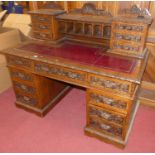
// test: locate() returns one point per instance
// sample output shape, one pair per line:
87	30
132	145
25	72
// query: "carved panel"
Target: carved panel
26	99
136	38
21	75
25	88
104	83
117	131
17	61
128	27
108	101
62	72
106	115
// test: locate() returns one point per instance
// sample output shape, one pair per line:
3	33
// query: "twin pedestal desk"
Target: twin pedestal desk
42	72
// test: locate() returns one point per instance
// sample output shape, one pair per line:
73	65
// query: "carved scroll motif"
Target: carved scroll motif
109	84
106	115
109	101
117	131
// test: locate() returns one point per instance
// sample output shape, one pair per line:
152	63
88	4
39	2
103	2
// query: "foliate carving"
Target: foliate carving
21	75
24	88
51	5
90	9
127	47
109	84
109	101
27	100
128	37
137	12
19	62
117	131
106	115
59	71
130	27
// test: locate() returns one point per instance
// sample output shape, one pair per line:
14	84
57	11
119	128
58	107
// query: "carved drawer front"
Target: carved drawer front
19	62
106	114
38	18
41	27
105	127
24	88
26	99
105	83
109	100
21	75
128	27
61	73
42	35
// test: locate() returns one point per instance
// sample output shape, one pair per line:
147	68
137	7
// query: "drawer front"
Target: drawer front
24	88
128	27
42	27
26	99
106	115
117	86
38	18
62	73
108	100
21	75
19	62
105	127
42	35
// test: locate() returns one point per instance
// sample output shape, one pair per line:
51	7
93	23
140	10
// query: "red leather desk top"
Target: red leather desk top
84	55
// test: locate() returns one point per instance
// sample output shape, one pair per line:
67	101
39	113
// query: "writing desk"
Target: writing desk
41	73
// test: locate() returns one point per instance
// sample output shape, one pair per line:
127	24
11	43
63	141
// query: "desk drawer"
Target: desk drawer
105	127
26	99
113	85
42	27
38	18
21	75
62	73
42	35
22	87
109	101
19	62
104	114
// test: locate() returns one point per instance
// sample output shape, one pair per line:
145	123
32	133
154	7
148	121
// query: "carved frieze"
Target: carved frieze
117	131
108	101
95	81
106	115
59	71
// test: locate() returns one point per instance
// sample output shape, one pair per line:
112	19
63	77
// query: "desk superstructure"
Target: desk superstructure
42	72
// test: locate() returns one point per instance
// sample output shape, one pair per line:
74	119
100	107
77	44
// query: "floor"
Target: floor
61	130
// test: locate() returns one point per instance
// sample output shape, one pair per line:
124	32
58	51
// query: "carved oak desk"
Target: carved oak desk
41	74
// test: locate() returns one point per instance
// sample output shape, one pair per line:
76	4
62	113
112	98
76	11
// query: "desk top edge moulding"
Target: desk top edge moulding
93	54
